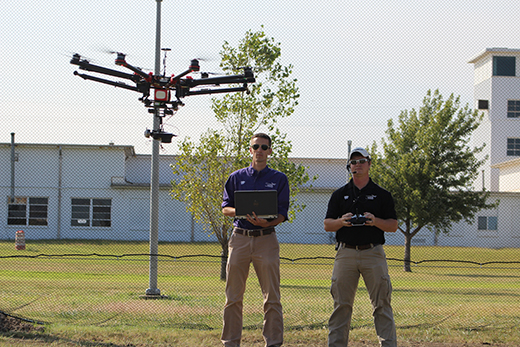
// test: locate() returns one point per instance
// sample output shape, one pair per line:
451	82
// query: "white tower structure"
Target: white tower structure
497	95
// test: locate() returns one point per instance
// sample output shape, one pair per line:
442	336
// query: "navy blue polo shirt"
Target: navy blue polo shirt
251	179
371	198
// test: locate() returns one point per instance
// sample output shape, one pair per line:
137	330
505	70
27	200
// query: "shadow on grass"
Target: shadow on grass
50	339
302	287
476	292
188	326
312	326
481	276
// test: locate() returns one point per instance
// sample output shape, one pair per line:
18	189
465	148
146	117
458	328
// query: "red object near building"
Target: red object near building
19	240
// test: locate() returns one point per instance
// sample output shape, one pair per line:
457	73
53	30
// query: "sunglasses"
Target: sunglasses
256	146
358	161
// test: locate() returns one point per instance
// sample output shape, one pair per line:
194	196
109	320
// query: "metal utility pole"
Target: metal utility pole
154	181
13	159
161	105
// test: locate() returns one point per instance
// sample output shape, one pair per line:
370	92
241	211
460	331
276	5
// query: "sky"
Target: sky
358	63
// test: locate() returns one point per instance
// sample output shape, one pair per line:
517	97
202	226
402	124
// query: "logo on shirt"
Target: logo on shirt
270	185
371	197
242	182
346	197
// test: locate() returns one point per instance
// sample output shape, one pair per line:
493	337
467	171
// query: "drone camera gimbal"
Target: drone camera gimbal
164	87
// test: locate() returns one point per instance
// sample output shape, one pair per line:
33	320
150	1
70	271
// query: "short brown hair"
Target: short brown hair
263	136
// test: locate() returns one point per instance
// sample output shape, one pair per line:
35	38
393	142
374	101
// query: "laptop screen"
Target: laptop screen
263	202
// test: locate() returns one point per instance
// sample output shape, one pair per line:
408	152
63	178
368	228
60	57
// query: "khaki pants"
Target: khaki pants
371	264
264	253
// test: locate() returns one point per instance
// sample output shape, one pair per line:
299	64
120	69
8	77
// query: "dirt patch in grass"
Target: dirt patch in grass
8	324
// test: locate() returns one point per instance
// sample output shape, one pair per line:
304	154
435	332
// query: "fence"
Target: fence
459	288
86	255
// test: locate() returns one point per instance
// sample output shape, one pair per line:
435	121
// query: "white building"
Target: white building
68	191
497	95
102	192
509	175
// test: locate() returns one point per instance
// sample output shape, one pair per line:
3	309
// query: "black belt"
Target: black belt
357	247
254	232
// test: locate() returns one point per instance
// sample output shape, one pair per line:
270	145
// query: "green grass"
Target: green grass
96	297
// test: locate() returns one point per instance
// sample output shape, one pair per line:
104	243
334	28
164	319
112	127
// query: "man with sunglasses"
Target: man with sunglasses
360	213
254	241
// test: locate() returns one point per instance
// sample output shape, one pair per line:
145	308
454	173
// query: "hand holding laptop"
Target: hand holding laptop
258	221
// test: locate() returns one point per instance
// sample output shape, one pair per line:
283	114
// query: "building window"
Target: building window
91	212
513	108
483	104
27	211
488	223
504	66
513	146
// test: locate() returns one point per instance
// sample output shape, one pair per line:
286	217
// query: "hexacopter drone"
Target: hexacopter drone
163	87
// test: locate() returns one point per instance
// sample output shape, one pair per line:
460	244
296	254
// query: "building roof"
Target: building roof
129	150
493	50
509	163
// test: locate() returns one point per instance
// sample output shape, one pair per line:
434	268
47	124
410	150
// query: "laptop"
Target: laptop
263	202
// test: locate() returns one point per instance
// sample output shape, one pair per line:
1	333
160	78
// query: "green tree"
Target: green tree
204	167
429	167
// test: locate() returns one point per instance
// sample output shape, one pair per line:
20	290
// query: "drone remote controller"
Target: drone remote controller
358	220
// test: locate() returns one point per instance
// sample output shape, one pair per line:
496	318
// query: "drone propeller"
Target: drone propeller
205	59
77	56
187	57
120	54
112	52
206	74
106	50
122	57
163	86
235	69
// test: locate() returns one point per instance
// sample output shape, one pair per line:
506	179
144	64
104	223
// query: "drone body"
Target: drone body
163	87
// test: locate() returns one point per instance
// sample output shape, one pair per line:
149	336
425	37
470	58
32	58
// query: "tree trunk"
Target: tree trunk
223	262
224	243
407	251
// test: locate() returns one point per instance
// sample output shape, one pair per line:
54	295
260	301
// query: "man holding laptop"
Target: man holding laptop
254	240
